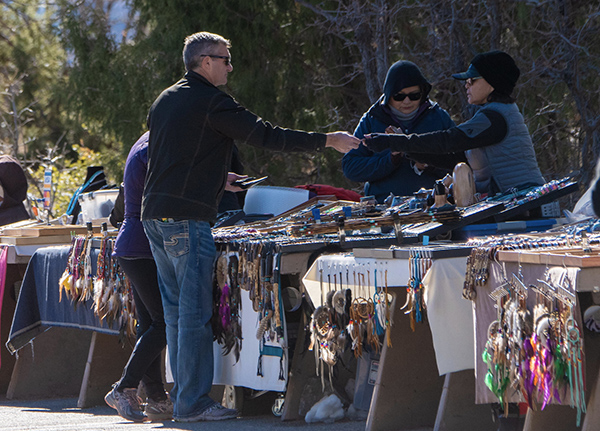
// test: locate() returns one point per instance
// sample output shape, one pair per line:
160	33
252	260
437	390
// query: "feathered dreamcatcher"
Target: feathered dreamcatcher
226	321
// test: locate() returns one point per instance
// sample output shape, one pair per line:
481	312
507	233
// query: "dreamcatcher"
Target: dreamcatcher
327	326
69	281
108	289
538	354
112	292
382	302
227	326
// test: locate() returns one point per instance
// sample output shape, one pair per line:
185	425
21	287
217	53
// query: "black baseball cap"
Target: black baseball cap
470	73
496	67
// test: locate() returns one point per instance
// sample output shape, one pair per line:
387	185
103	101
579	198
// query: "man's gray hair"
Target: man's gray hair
200	43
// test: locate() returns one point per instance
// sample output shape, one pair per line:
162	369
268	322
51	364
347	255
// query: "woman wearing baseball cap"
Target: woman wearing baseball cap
496	140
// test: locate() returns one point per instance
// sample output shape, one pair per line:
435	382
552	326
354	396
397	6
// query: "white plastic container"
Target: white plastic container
98	204
273	200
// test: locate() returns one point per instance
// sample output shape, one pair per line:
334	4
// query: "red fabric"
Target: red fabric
523	409
338	192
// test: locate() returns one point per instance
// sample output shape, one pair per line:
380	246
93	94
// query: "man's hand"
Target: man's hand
231	177
342	141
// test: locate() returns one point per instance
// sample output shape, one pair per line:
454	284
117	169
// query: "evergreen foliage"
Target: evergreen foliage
69	82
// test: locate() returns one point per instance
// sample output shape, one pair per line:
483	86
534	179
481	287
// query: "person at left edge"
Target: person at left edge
193	125
13	191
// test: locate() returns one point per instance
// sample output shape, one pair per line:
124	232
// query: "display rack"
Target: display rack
570	257
470	215
535	198
433	251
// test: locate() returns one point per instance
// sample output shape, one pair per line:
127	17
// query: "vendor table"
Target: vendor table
39	309
315	228
38	306
15	258
408	389
456	344
11	273
19	241
60	361
550	265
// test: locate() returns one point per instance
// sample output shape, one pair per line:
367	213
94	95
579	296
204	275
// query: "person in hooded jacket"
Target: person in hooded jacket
403	108
496	140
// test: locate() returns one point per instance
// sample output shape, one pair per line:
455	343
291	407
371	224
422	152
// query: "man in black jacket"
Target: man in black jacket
192	126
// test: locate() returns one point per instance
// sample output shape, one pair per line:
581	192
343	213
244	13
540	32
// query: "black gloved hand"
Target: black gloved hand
377	142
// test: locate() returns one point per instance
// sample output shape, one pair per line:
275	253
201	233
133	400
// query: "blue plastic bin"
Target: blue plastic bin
519	226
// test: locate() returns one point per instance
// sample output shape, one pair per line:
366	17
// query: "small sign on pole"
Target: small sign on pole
47	190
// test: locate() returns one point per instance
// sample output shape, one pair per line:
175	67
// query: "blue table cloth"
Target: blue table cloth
38	309
38	306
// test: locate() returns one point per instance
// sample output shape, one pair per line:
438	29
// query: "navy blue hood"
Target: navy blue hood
404	74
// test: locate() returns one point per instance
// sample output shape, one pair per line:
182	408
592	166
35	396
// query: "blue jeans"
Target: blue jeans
184	252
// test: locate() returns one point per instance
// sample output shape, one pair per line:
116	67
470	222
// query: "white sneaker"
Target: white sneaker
159	410
216	412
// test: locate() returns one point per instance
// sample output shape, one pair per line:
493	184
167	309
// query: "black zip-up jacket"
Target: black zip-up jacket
192	126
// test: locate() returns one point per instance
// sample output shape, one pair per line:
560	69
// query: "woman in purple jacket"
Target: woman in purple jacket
132	251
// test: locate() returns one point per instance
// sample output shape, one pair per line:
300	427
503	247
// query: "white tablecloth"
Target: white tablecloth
350	268
243	373
450	316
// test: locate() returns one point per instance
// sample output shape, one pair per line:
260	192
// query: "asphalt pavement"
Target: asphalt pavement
64	415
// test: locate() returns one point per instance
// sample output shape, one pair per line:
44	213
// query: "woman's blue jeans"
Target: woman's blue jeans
184	252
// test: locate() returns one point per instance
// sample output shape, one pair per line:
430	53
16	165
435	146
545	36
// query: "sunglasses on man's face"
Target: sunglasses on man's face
224	57
399	97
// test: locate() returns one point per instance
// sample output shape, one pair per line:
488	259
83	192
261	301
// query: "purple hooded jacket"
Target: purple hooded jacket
132	240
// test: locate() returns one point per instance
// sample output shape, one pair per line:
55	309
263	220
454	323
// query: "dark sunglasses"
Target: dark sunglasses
470	81
224	57
399	97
